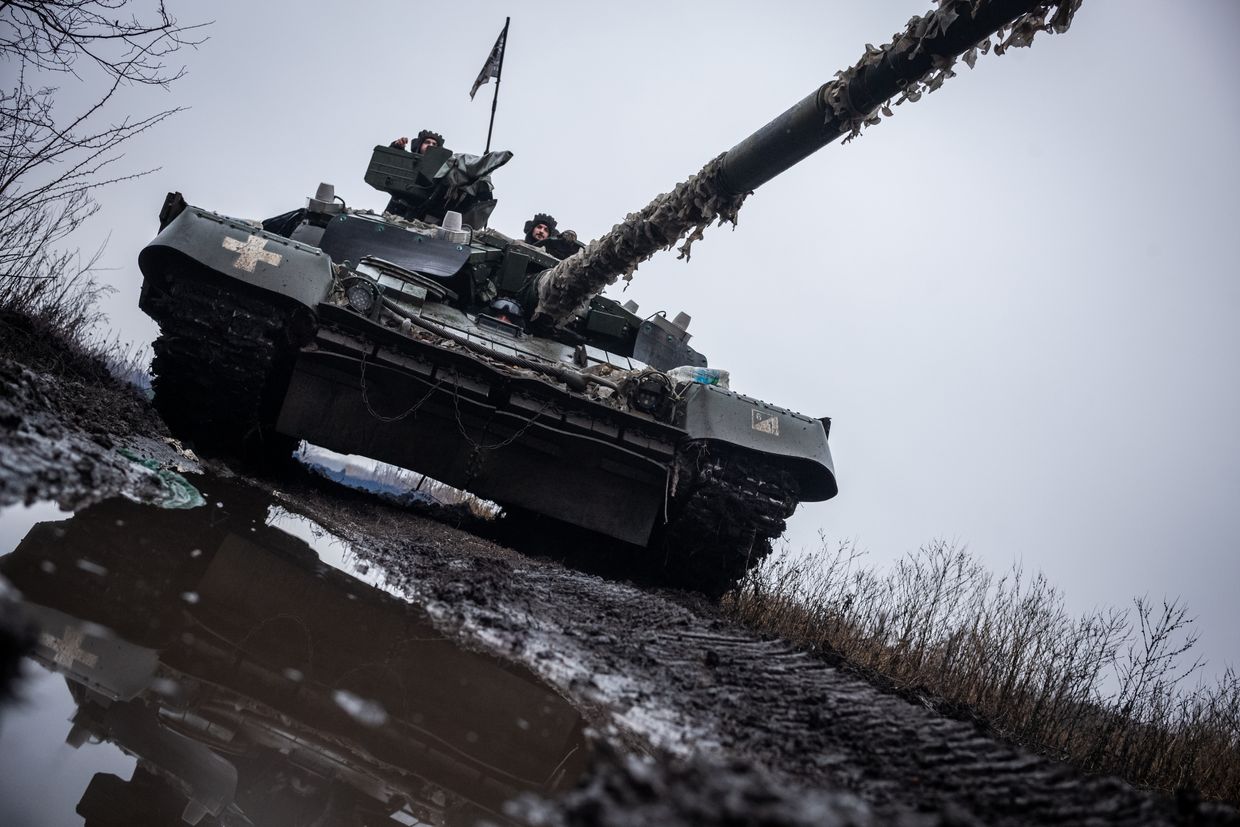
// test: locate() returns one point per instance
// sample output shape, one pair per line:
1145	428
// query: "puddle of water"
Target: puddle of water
16	520
237	664
331	549
33	732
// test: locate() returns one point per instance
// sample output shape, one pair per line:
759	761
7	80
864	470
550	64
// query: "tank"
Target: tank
422	338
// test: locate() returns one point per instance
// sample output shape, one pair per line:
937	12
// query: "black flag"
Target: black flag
494	61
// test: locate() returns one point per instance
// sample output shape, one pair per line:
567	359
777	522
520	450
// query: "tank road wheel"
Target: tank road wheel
221	363
727	508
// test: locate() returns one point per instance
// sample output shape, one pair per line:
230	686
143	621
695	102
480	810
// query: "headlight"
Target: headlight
650	395
362	296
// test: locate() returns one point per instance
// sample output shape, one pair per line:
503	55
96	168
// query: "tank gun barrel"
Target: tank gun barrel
918	59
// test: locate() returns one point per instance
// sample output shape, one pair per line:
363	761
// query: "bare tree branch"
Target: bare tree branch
53	36
50	168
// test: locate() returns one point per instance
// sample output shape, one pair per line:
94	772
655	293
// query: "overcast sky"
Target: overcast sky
1017	299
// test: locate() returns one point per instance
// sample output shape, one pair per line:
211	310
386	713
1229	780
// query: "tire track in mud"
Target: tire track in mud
665	674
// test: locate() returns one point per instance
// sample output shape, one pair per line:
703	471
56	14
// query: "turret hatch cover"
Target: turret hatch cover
351	238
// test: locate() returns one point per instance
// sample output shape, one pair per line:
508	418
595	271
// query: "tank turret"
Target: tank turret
917	60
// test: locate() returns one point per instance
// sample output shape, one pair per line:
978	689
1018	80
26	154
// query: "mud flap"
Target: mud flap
504	447
794	441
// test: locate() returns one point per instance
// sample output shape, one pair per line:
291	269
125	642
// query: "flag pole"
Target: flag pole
499	74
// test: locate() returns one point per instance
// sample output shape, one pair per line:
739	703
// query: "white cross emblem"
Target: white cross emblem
69	648
251	252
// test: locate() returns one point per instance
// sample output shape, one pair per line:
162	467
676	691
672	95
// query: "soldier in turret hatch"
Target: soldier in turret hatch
539	228
435	181
540	231
426	140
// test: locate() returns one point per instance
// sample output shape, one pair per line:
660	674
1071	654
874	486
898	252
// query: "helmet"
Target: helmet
507	310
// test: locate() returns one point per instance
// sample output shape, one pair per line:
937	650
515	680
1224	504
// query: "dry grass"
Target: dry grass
50	318
1108	692
43	342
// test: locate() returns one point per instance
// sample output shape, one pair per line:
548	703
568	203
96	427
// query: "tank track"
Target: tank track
728	507
217	357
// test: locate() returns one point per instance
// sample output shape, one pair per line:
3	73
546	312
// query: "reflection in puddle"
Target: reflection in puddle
255	684
16	520
331	549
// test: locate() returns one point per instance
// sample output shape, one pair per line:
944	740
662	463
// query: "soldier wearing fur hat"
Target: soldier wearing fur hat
541	231
540	228
426	140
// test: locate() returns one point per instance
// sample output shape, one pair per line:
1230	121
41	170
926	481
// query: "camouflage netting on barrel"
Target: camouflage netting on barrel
920	36
691	206
916	61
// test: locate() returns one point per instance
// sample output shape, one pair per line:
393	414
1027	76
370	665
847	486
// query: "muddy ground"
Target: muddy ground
694	719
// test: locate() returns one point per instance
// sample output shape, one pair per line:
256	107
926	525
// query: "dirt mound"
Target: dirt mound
67	425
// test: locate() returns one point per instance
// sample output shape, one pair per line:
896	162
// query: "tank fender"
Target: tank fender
239	251
731	418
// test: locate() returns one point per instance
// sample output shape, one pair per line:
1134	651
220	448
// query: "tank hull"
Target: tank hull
517	442
258	350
